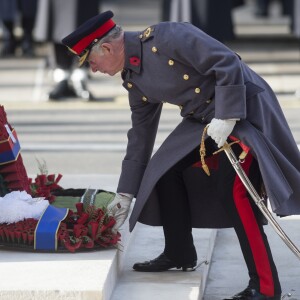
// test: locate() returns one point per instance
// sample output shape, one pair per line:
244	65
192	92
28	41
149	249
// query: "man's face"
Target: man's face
108	61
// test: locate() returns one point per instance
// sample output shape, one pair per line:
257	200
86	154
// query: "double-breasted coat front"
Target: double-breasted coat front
179	64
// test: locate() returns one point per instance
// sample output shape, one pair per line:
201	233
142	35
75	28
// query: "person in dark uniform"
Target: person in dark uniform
54	19
9	10
212	16
263	7
214	89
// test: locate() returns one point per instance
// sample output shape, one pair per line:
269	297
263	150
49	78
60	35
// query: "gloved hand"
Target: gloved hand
219	130
119	208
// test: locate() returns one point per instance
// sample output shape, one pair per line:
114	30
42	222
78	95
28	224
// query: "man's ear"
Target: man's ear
107	48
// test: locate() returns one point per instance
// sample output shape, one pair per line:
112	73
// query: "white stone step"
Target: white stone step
148	243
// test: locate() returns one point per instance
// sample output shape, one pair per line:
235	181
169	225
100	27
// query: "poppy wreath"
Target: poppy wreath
87	224
87	228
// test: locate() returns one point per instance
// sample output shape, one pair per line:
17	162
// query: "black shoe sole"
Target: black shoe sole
183	269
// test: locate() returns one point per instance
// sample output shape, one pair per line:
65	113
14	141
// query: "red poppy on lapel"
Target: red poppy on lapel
135	61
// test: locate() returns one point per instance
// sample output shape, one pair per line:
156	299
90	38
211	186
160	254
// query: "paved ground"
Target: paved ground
76	137
228	274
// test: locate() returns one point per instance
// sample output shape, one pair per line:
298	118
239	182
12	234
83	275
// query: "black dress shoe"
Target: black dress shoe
162	263
62	90
27	48
81	90
9	47
252	294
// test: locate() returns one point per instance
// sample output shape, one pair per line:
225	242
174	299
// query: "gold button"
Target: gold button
171	62
144	98
129	85
180	107
208	101
186	77
191	113
140	36
154	49
197	90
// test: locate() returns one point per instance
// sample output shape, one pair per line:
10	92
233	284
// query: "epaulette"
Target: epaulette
147	34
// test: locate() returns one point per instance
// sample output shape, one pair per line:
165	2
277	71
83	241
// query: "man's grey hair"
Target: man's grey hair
114	34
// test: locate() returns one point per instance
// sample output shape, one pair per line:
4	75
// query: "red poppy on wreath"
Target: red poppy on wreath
44	185
135	61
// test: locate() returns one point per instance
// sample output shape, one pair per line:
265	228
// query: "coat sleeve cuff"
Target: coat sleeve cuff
131	177
230	102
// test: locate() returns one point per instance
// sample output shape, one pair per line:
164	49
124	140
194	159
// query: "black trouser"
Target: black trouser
27	9
244	214
64	60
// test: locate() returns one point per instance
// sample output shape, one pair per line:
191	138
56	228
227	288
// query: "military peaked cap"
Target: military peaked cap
88	34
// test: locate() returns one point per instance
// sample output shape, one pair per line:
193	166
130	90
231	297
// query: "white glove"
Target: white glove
219	130
119	208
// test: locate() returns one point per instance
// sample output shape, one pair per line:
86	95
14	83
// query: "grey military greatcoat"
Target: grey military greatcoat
179	64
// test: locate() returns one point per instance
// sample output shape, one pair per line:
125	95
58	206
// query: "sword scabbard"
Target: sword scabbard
258	200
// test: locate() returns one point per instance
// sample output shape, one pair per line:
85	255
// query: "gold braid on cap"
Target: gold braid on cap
71	50
83	57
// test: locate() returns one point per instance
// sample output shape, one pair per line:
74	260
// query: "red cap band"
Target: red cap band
87	40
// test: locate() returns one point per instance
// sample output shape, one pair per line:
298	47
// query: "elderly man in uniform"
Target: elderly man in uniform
179	64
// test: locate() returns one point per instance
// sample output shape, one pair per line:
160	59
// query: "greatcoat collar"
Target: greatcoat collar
133	52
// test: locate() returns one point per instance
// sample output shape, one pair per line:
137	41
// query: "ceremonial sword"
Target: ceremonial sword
257	199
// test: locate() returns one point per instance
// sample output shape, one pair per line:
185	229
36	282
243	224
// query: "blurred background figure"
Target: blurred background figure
263	7
12	11
296	21
212	16
55	19
296	31
177	10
